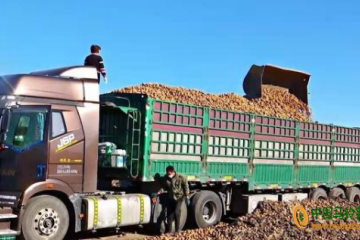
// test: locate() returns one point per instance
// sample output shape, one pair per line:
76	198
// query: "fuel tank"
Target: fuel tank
116	211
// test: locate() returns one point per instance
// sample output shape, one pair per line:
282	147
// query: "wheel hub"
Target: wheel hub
46	222
209	212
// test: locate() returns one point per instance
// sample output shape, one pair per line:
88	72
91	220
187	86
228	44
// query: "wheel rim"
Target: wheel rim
209	212
46	222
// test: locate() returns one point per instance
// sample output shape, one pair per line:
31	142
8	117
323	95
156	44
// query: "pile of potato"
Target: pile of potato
275	101
274	220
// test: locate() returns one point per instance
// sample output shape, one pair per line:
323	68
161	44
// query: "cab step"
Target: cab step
7	216
8	232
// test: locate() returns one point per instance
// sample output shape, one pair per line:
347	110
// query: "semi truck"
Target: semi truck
72	160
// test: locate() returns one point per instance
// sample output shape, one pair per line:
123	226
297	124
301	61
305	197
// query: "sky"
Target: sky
208	45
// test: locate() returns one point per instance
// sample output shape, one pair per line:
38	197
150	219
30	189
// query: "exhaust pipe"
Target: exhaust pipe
295	81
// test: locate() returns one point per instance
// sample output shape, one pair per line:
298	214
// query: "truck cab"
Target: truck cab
49	126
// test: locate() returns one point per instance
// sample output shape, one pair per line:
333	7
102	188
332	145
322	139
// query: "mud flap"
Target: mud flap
295	81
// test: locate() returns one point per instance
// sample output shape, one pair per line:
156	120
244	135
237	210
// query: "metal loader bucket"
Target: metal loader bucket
295	81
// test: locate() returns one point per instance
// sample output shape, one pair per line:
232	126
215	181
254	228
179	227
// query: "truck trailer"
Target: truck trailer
72	160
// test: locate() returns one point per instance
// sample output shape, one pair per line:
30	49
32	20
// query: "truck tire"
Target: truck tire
353	194
336	193
318	193
184	213
46	218
206	209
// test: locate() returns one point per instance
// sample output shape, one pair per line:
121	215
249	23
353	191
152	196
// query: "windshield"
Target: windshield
26	127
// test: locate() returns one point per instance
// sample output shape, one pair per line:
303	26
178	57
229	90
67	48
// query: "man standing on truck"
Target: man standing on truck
178	190
95	60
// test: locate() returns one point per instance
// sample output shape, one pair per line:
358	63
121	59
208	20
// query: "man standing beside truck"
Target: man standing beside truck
178	191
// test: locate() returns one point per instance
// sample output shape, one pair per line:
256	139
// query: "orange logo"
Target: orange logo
301	217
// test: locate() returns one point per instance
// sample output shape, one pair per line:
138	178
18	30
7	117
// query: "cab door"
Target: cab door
67	149
24	156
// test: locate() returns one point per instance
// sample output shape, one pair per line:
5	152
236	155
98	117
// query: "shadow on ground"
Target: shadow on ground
104	233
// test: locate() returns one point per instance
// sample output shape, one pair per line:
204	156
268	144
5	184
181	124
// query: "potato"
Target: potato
275	102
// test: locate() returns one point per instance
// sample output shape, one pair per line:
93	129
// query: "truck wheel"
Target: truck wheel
336	193
45	218
206	209
184	213
318	193
353	194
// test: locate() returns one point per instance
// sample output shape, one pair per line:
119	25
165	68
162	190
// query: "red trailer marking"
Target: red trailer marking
165	127
229	134
314	141
274	138
344	144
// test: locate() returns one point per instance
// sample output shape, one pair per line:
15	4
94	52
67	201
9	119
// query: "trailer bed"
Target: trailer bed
211	145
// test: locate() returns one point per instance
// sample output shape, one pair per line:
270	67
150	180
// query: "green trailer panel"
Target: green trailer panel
229	145
176	138
308	175
347	174
346	162
266	175
228	157
213	144
274	150
227	171
190	168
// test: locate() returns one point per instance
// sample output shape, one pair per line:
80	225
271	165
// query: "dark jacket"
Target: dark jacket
95	60
177	186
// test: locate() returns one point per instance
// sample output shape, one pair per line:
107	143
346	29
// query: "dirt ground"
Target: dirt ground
135	233
129	236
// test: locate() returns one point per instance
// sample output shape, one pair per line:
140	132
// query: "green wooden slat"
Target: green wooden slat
313	174
205	143
189	168
238	171
343	174
273	174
